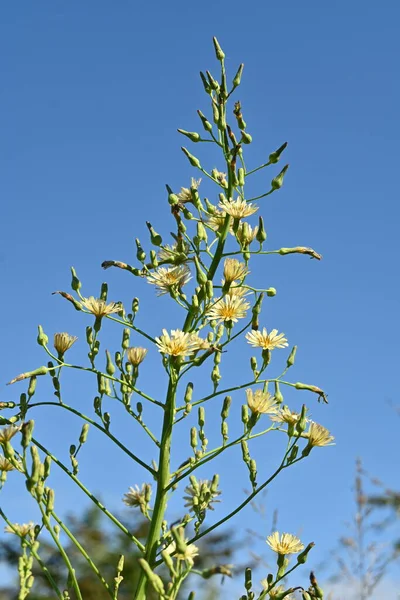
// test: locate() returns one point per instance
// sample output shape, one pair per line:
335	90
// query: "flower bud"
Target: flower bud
302	423
215	110
206	85
302	557
50	501
291	358
246	138
75	283
192	159
241	177
218	50
213	82
42	338
193	438
201	277
238	76
155	237
275	156
202	416
245	414
27	432
277	182
206	124
84	433
211	209
209	289
278	394
32	386
215	375
226	406
261	233
140	254
192	135
271	292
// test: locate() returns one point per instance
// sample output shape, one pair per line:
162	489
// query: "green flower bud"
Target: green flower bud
245	451
277	182
42	338
104	292
84	433
215	110
218	50
253	363
241	177
125	338
201	277
278	394
295	450
110	367
153	259
215	375
192	159
187	214
246	138
193	438
238	76
275	156
50	501
201	231
206	124
213	82
140	254
271	292
261	233
253	471
36	464
192	135
292	356
32	386
211	209
27	432
75	283
245	414
224	430
89	335
155	237
302	423
206	85
202	416
248	579
226	406
209	289
302	557
46	467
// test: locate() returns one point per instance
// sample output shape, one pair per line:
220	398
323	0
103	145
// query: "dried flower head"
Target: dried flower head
220	177
238	209
169	279
228	308
22	529
319	435
246	234
99	308
179	343
5	464
285	415
185	195
234	269
136	355
189	554
7	433
63	342
261	402
201	495
286	543
267	341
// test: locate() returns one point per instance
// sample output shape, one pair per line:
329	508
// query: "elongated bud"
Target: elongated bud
261	233
153	259
104	291
75	283
318	593
192	159
213	82
42	338
50	501
277	182
27	432
253	471
193	438
302	422
46	467
241	177
140	253
206	124
248	584
155	237
34	477
294	451
110	367
89	335
218	50
226	406
35	373
209	289
154	579
84	433
305	595
211	209
302	557
215	375
291	358
275	156
216	117
246	138
245	451
238	77
201	277
245	414
169	563
253	363
206	85
32	386
192	135
202	416
201	231
278	394
189	392
125	338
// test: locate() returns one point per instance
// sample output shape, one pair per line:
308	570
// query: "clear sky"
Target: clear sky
92	95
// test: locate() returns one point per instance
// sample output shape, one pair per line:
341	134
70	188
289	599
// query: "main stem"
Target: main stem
163	478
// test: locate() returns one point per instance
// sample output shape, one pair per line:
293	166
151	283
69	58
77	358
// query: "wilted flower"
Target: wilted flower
21	530
285	415
63	342
5	464
220	177
261	402
286	543
265	340
185	195
136	355
246	234
139	498
99	308
234	269
228	308
166	280
179	343
190	552
7	433
238	209
319	435
201	495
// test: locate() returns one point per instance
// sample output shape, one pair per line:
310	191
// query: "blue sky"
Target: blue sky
91	99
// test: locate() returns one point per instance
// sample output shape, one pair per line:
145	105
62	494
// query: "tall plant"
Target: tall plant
212	247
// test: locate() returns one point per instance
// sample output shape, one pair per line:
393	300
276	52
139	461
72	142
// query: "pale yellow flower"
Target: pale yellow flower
191	551
5	464
265	340
99	308
238	209
20	529
319	435
217	220
228	308
276	591
236	289
261	402
166	280
63	342
185	195
179	343
285	415
137	497
201	496
7	433
136	355
234	269
246	234
286	543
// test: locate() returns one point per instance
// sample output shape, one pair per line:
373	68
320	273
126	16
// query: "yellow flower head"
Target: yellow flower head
228	308
136	355
7	433
285	415
167	279
261	402
5	464
185	195
238	209
179	343
267	341
137	497
63	342
217	220
286	543
319	435
20	529
234	269
191	551
246	234
99	308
